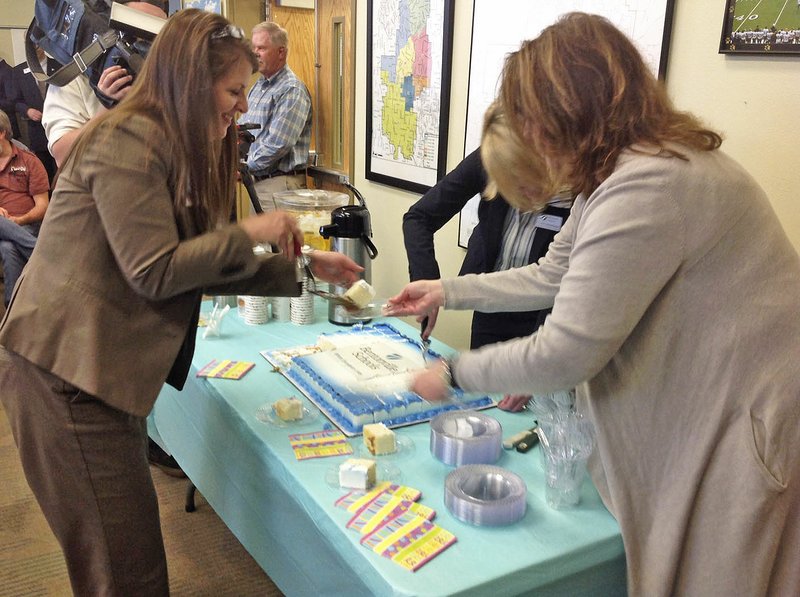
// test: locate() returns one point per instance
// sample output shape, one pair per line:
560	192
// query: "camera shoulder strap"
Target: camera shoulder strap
80	60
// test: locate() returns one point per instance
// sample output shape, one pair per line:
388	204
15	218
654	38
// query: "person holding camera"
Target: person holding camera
137	229
69	108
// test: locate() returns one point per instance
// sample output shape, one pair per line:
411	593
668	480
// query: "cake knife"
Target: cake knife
424	344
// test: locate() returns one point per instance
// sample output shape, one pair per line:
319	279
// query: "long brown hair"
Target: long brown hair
581	93
194	49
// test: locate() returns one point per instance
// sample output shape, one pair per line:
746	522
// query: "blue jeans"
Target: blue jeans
16	246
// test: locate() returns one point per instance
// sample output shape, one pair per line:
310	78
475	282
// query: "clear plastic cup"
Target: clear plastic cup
566	443
564	476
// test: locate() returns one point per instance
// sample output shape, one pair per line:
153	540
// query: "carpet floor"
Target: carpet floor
204	557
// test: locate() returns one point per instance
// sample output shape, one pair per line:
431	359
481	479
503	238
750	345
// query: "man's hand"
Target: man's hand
34	114
115	82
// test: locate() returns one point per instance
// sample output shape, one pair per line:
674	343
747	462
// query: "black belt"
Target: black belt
260	177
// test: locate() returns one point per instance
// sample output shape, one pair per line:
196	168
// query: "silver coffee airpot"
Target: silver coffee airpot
350	231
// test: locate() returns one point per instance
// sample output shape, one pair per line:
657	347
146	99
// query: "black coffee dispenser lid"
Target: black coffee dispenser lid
348	221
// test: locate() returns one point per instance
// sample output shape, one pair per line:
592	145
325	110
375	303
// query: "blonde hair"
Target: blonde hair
277	34
193	51
513	169
582	94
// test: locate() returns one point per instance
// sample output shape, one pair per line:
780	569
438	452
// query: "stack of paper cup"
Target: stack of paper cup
281	308
302	307
256	310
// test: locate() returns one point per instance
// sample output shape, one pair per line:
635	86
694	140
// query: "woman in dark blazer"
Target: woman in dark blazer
106	311
438	206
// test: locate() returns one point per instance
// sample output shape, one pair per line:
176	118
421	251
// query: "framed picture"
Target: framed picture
217	6
766	27
409	53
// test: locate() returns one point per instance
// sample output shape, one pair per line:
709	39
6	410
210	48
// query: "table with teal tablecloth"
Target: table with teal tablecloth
282	510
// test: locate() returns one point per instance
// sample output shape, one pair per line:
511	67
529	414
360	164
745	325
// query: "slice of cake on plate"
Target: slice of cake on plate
288	409
379	439
357	473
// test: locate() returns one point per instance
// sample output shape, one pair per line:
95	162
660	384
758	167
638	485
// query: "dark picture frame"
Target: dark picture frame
767	27
412	155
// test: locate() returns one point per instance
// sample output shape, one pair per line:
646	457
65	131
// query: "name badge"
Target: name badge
549	222
26	71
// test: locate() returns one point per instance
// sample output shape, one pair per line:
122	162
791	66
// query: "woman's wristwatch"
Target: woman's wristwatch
447	373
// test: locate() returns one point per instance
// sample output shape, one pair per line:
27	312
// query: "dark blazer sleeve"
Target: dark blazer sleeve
434	209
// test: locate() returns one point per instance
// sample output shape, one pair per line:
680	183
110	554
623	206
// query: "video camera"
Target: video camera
245	138
88	36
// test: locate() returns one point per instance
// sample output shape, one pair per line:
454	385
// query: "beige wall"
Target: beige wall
14	14
754	101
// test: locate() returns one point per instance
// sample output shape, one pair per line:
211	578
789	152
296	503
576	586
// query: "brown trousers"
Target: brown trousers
86	463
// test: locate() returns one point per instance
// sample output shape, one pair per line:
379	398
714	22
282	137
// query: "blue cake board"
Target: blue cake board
295	375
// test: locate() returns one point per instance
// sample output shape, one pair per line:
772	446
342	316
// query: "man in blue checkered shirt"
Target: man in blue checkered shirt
281	104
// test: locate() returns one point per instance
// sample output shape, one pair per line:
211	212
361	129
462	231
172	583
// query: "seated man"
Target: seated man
23	201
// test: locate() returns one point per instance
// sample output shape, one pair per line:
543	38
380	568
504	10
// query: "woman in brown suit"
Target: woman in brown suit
107	308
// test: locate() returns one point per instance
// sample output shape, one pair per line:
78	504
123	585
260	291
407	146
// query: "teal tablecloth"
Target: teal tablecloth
282	510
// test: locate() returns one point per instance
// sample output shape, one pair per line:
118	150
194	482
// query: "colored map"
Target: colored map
406	82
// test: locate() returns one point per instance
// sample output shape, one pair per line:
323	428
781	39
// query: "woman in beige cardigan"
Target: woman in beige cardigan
107	307
676	313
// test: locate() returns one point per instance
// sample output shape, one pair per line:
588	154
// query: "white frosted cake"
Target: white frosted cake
362	375
360	294
357	473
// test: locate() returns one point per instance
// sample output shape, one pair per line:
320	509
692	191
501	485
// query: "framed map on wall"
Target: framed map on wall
647	22
409	51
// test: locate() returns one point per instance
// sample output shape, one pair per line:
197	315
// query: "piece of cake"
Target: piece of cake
379	439
360	294
289	409
357	473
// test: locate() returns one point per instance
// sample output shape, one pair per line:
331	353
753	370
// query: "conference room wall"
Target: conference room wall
753	101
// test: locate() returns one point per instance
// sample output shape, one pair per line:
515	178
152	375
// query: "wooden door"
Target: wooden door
336	85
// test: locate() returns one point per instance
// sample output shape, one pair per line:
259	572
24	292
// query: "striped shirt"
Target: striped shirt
518	232
282	106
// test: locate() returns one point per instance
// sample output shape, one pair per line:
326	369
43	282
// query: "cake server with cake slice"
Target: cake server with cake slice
358	300
304	269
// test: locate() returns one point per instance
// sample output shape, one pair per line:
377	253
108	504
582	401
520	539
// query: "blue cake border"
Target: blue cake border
305	380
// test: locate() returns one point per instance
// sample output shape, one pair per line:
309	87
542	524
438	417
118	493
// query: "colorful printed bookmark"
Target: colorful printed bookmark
320	444
409	540
225	369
